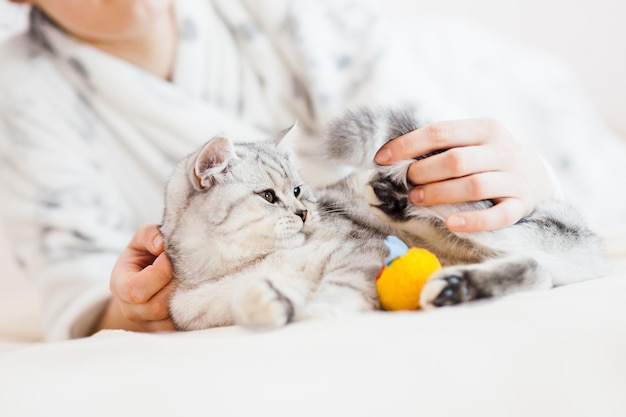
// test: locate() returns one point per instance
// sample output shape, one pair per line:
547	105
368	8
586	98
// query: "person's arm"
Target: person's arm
140	286
482	160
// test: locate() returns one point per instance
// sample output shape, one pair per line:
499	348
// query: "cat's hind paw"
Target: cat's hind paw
495	278
261	305
449	288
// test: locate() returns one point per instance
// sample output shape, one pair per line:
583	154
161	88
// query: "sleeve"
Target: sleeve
62	223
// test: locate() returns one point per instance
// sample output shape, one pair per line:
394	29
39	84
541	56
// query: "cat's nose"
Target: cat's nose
301	214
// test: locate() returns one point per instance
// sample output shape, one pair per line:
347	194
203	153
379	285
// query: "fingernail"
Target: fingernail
456	222
158	241
383	156
417	195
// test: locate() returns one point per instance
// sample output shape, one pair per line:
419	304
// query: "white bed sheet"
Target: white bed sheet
559	352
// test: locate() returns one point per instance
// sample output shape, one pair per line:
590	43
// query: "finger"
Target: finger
483	186
147	238
438	136
454	163
140	286
146	244
507	212
156	309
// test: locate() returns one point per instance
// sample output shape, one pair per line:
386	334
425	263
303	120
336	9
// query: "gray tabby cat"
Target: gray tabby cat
252	245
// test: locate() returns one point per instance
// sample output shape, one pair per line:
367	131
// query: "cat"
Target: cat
251	244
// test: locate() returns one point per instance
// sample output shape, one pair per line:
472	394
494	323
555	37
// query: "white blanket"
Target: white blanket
554	353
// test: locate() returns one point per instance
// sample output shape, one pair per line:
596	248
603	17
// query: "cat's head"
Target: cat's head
248	194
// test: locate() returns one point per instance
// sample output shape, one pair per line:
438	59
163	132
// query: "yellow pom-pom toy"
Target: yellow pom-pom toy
403	276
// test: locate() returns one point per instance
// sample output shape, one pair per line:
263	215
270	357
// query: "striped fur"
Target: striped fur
240	258
251	244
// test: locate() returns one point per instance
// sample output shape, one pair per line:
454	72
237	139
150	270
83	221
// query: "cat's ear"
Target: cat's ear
212	160
286	136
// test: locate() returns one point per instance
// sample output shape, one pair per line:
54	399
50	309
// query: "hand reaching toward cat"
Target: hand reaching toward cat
141	286
482	161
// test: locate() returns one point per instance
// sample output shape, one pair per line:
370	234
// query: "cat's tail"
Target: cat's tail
354	138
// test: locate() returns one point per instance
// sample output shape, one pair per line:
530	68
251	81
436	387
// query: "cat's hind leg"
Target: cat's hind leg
493	278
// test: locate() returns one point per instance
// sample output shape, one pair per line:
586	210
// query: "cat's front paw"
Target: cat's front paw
449	287
388	195
262	305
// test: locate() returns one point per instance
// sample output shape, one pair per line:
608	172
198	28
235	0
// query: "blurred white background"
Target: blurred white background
588	34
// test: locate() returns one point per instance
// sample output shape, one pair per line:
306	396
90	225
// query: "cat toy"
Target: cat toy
403	275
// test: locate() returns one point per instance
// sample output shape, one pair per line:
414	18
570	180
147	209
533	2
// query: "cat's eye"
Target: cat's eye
268	195
296	191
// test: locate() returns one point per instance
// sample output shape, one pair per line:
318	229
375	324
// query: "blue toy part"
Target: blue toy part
396	247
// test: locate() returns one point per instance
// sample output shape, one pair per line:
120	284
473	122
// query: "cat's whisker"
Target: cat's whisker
342	203
340	210
348	200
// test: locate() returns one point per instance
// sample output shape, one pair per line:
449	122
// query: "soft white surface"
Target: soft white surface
552	353
587	34
560	352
